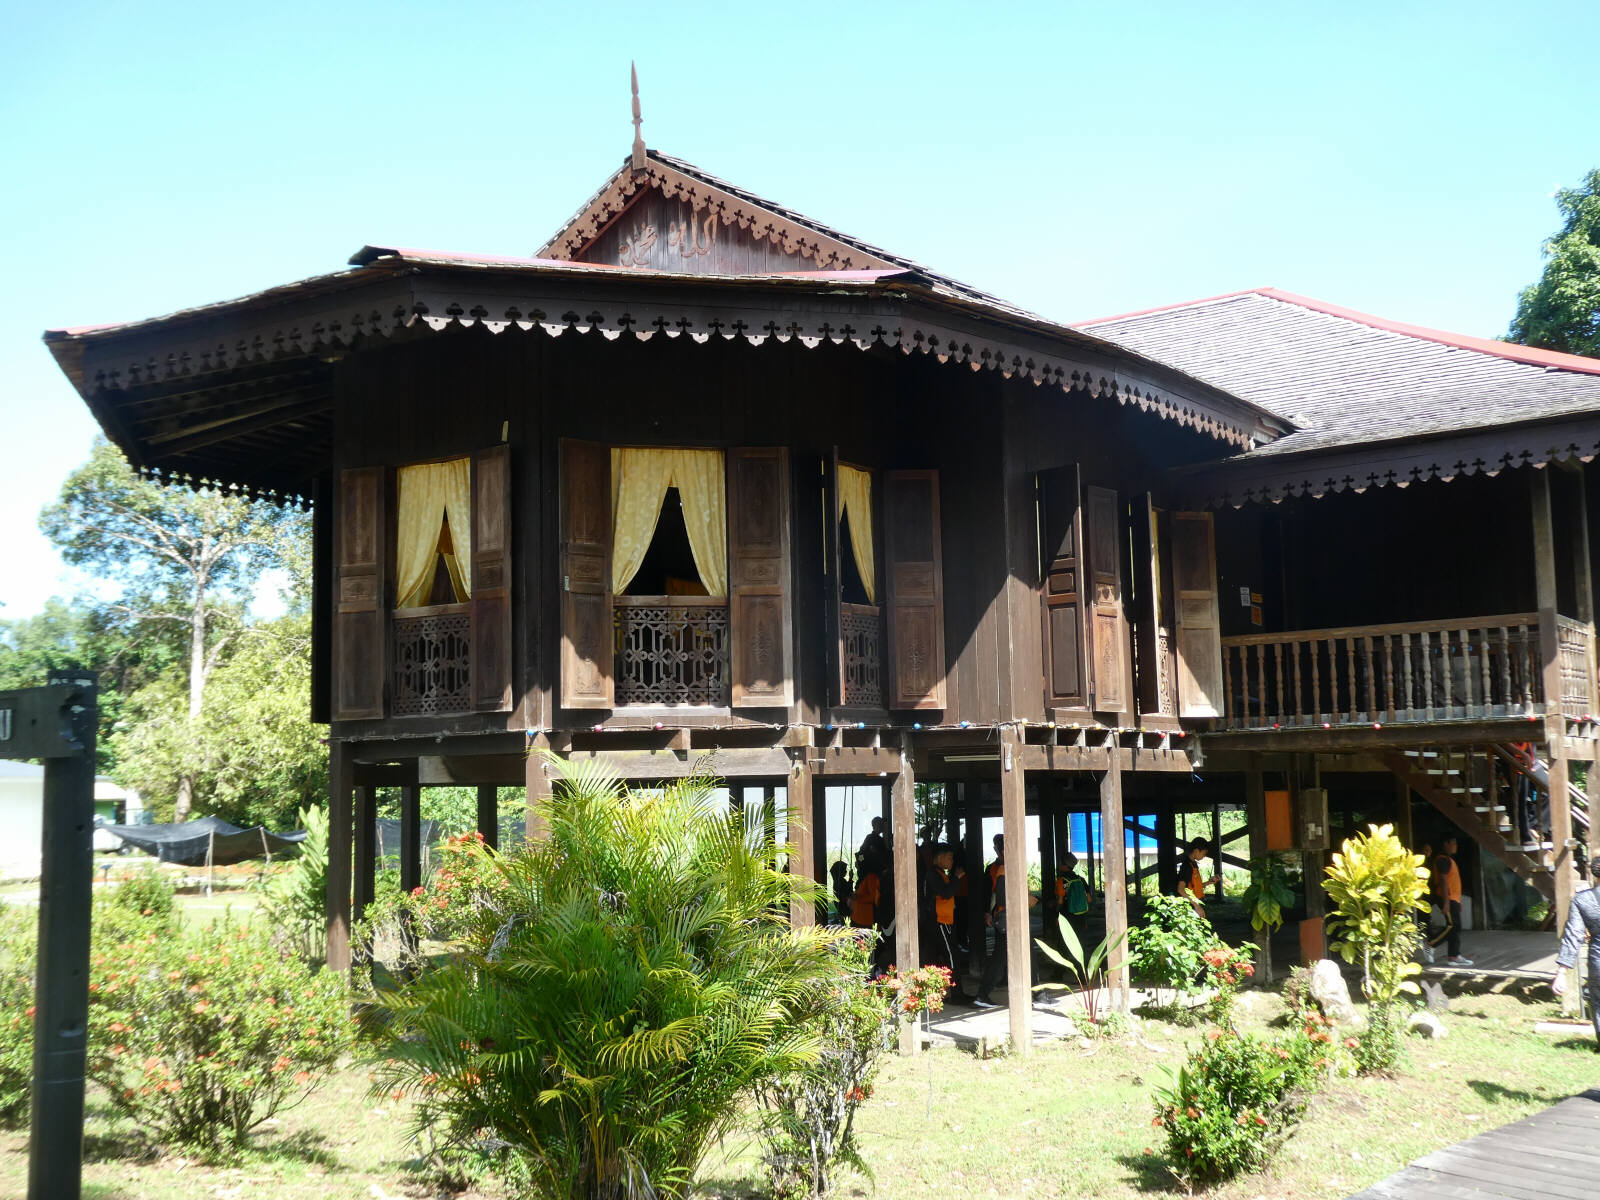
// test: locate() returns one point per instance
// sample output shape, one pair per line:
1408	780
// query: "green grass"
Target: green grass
1068	1120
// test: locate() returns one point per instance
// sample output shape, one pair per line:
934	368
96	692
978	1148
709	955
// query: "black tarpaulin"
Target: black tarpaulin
208	840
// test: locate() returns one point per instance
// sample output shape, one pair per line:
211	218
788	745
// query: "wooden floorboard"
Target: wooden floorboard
1552	1155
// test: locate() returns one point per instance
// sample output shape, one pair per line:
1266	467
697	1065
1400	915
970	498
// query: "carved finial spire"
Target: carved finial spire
638	138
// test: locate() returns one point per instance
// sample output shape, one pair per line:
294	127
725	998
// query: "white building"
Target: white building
22	812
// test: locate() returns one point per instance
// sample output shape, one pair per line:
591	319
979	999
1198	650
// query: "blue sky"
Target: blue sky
1079	160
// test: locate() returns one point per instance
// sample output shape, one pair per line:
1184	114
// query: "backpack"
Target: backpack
1077	897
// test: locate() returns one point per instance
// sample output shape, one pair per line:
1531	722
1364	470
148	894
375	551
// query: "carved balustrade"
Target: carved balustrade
671	650
861	637
1477	668
431	657
1576	642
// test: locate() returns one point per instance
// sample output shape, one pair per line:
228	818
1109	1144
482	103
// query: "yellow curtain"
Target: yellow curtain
703	487
431	494
640	478
855	498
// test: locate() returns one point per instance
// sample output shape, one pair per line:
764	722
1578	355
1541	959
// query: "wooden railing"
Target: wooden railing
1576	642
432	653
861	639
671	650
1421	671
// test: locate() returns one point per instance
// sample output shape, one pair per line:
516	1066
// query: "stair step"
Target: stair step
1488	808
1467	791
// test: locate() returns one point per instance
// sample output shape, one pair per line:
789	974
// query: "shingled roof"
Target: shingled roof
1344	378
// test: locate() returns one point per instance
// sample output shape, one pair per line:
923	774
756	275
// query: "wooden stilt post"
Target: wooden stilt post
972	861
1115	873
339	820
489	814
536	781
366	828
1216	848
1048	865
1166	841
410	837
802	834
1255	797
1544	578
907	953
1019	946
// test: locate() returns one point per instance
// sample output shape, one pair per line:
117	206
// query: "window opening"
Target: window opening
433	563
446	587
669	568
852	590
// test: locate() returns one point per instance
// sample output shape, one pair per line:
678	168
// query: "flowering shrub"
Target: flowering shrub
201	1038
19	934
808	1116
465	885
1226	970
145	892
1235	1100
913	992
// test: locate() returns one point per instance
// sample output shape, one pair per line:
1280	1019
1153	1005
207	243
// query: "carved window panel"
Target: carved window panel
669	652
432	673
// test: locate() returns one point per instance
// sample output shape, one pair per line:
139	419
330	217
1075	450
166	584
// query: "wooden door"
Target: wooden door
915	574
1061	527
1108	627
758	578
588	641
491	580
1153	616
360	650
833	553
1199	633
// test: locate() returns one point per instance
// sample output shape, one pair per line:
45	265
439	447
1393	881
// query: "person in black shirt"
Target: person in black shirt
1191	884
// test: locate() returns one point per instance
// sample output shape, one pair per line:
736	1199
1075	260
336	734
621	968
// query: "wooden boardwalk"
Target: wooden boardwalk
1553	1155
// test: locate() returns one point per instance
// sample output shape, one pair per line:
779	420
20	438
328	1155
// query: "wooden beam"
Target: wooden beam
339	850
857	760
384	774
1544	587
903	829
802	836
1019	939
765	762
208	433
1114	874
1357	739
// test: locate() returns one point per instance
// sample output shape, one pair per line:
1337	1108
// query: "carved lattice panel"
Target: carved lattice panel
861	631
1166	685
432	663
672	654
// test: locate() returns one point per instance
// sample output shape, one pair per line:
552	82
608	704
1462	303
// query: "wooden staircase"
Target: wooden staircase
1461	782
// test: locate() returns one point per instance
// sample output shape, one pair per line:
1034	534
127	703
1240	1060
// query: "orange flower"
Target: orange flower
302	1077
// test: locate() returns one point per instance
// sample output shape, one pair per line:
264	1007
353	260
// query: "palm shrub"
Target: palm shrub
608	1010
1377	886
296	900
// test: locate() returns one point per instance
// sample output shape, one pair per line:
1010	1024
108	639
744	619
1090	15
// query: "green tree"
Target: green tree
609	1010
1562	310
184	558
254	757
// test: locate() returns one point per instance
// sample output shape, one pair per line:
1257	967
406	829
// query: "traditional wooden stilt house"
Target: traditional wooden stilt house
706	477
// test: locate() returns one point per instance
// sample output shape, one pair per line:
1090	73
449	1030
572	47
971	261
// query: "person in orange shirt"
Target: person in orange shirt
1191	884
869	890
1446	886
943	878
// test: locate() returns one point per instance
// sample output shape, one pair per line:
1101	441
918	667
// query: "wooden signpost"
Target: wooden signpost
57	723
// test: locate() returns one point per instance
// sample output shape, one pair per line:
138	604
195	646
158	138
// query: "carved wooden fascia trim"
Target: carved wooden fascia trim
1271	480
784	232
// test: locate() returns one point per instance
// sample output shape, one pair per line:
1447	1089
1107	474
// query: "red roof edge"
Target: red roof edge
1460	341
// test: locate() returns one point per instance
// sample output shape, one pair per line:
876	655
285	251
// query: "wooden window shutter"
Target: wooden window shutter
588	641
491	580
1061	526
758	578
1194	571
360	658
1152	584
915	573
1108	626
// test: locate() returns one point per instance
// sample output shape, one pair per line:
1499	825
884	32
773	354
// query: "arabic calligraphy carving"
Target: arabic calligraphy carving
634	249
692	235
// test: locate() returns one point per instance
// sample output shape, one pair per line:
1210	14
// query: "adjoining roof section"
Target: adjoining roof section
739	210
1358	387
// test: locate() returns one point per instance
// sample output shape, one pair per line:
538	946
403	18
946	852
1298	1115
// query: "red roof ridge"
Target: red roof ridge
1531	355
